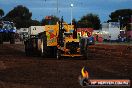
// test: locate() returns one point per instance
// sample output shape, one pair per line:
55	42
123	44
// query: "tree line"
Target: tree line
21	16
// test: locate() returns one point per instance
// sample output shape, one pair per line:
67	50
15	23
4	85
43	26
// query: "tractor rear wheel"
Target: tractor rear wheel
45	50
58	55
42	49
1	38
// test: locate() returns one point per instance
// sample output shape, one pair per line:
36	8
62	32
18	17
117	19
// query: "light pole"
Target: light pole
71	13
57	7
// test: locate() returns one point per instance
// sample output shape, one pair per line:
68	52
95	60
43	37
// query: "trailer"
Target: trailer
111	30
7	32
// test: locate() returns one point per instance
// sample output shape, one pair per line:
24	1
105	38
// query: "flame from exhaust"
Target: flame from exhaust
84	73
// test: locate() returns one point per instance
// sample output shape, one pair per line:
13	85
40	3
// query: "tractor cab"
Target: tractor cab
7	32
8	26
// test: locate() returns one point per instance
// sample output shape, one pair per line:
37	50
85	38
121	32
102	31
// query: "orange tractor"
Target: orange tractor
54	40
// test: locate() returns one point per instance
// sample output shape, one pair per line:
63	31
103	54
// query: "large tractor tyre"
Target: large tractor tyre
1	38
12	38
40	45
45	50
58	55
41	52
54	52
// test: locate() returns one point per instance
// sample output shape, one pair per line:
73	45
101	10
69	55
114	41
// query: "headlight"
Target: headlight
14	30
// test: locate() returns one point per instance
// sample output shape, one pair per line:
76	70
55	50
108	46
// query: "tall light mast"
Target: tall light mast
57	7
71	13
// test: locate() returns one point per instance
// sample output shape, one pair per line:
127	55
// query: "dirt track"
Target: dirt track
19	71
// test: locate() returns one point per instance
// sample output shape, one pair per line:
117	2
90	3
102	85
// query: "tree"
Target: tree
50	20
20	12
35	23
121	15
1	13
27	23
89	20
21	16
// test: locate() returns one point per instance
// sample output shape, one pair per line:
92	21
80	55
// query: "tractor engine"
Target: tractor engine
73	47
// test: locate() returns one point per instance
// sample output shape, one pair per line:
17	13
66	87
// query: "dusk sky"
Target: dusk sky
42	8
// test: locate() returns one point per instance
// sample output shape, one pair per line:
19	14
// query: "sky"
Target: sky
42	8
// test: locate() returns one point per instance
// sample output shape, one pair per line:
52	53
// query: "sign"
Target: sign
86	81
